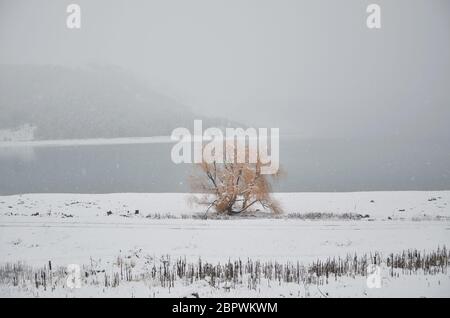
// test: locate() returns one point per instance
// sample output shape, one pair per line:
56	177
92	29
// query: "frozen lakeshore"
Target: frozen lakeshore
79	229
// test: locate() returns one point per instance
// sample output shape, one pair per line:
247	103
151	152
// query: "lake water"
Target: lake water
309	165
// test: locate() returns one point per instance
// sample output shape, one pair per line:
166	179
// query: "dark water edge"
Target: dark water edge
309	165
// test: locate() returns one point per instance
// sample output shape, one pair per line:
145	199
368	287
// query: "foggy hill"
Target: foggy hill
94	102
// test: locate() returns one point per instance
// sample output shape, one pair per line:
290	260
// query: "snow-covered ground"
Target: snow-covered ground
79	228
24	133
378	205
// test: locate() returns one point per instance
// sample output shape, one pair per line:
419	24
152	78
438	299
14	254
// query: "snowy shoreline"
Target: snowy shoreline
77	229
378	205
85	142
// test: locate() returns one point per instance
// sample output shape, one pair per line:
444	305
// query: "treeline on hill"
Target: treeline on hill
91	102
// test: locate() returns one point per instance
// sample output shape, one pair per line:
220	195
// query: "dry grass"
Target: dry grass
243	273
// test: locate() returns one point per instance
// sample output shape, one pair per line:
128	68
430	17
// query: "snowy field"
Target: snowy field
120	238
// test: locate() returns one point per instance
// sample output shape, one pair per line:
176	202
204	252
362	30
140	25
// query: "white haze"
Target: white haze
309	67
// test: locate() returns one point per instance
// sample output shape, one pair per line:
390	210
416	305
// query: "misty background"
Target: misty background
358	109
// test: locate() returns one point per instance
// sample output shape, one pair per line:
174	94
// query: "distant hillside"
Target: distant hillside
98	102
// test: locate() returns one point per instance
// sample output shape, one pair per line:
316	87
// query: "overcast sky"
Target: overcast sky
308	67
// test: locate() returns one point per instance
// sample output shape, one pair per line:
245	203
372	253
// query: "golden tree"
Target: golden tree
233	187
